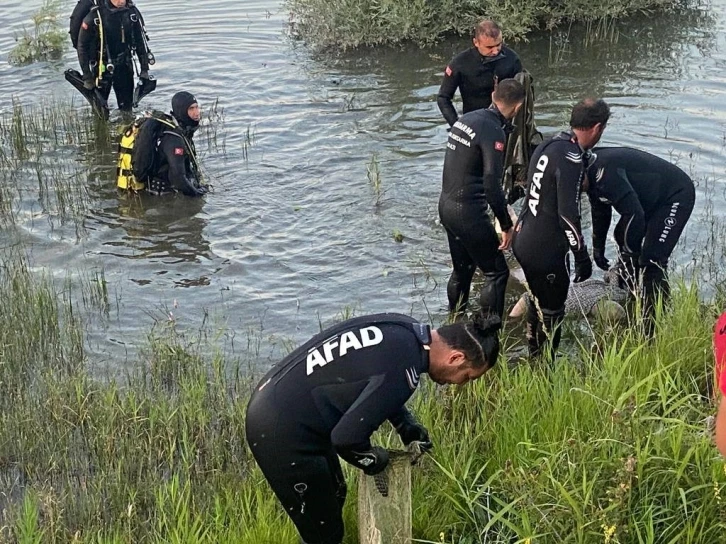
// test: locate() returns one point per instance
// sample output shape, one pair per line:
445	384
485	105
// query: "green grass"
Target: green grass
45	40
609	445
352	23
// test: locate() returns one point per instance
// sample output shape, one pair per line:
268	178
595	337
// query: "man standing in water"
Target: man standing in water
654	199
476	71
108	37
549	225
327	397
472	181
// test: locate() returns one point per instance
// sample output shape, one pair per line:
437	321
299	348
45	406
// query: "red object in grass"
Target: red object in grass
719	350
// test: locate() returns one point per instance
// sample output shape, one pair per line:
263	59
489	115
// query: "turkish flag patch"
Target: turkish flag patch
499	146
84	25
448	71
178	151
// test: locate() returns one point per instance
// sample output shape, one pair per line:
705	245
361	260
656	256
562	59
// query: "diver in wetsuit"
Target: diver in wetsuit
472	182
549	225
178	169
654	199
476	71
108	38
327	397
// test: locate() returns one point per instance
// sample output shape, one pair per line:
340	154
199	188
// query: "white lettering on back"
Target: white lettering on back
369	336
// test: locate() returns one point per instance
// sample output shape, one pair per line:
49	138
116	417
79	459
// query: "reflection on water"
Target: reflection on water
294	230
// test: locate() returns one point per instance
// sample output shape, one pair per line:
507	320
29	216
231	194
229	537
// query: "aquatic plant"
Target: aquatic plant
608	445
345	24
45	41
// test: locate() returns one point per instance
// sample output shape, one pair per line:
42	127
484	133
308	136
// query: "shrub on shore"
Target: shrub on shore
351	23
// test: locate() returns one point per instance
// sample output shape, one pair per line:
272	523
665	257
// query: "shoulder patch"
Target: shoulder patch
574	157
499	146
448	71
178	151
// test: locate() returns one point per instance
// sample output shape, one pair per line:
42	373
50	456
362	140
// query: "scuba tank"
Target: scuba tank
138	159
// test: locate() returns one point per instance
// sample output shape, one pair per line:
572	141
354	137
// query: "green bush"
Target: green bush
352	23
45	41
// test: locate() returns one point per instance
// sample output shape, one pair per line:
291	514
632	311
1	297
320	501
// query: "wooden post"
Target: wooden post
384	503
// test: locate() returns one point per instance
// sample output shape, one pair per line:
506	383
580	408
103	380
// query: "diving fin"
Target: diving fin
143	87
94	97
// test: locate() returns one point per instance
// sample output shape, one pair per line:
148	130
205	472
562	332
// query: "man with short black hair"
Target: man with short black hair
327	397
476	71
473	169
549	225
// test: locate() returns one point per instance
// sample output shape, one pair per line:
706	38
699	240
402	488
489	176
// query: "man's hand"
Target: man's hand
411	430
598	255
583	266
507	236
371	462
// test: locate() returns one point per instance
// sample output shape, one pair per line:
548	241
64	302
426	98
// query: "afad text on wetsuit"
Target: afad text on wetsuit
536	184
338	346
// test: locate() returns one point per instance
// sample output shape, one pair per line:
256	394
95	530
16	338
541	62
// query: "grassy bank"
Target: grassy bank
611	446
345	24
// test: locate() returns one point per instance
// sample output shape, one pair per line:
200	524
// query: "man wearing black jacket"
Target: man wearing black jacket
654	199
472	182
327	397
476	71
549	225
110	34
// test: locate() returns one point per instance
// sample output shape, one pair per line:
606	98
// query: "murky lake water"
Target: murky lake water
294	232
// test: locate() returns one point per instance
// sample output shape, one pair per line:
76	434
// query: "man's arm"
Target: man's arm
88	45
173	148
602	214
632	219
446	94
142	52
492	156
568	182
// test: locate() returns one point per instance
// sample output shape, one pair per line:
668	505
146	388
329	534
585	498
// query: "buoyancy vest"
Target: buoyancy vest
138	159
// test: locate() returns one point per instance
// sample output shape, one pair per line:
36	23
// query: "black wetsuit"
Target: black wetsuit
654	199
121	29
475	76
549	227
472	182
177	167
326	399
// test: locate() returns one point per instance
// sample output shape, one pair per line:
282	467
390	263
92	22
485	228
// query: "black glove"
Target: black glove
598	255
583	265
371	461
410	430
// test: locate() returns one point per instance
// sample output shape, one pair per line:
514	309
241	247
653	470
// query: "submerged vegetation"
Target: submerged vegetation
44	41
40	170
613	444
345	24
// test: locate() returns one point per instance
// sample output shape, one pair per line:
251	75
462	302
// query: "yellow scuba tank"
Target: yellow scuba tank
125	178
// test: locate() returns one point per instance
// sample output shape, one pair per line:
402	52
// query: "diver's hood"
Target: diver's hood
180	103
